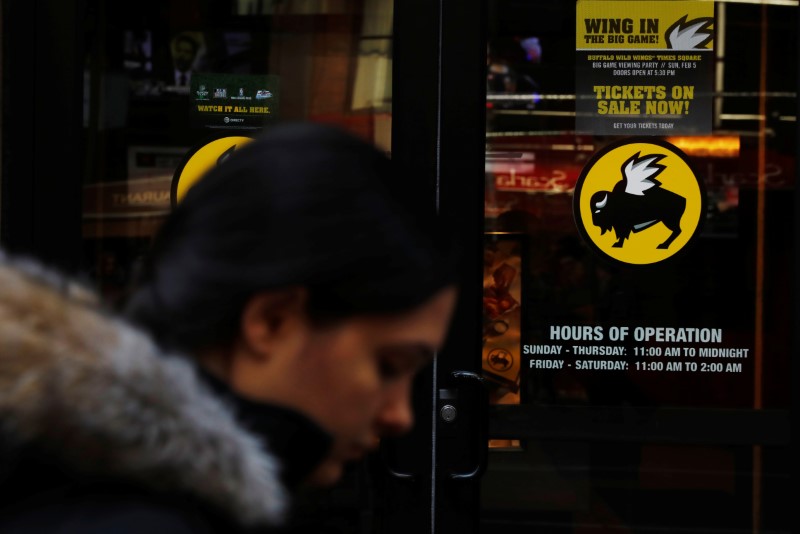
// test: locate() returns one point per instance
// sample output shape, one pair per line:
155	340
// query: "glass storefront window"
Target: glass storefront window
162	79
625	396
627	347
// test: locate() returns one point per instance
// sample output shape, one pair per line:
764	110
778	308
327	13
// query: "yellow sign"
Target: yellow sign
201	160
623	25
639	202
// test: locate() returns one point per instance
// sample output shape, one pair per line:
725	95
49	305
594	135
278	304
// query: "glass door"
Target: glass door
639	276
104	101
163	80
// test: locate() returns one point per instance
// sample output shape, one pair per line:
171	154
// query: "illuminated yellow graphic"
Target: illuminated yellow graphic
201	161
630	25
639	202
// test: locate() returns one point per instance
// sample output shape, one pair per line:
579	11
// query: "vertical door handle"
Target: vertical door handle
401	476
408	477
483	427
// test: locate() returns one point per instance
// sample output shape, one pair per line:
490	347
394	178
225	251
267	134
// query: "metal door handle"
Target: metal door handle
397	474
409	477
483	427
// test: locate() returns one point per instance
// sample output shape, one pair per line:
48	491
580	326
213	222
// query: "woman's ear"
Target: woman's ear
273	331
272	322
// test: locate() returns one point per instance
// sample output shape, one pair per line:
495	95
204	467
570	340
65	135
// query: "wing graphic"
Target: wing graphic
639	173
692	35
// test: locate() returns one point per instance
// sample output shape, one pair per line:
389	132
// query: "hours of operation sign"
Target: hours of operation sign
638	349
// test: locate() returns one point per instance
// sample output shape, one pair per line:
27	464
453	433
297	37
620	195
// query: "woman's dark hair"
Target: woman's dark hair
302	205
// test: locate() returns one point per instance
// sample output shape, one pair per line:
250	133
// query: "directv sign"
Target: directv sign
233	102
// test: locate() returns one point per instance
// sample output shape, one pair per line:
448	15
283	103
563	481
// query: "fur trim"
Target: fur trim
74	375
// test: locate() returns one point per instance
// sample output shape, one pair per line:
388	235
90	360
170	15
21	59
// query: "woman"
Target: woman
304	290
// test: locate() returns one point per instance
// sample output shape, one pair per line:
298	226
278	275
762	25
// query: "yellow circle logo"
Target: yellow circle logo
200	160
639	202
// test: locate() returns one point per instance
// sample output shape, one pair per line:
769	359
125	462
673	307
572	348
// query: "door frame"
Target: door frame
439	99
42	163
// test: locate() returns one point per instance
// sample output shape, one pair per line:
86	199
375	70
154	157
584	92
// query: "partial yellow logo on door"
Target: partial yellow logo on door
639	202
200	160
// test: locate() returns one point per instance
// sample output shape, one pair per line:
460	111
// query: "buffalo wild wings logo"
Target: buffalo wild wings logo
200	160
639	202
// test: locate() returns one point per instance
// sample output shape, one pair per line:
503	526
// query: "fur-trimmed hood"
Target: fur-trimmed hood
74	375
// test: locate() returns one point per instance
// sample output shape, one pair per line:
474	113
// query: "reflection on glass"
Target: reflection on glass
502	343
161	81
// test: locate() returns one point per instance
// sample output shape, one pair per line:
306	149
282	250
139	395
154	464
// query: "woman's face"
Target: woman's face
353	378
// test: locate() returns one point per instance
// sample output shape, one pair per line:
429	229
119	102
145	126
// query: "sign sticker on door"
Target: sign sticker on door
643	67
200	160
638	202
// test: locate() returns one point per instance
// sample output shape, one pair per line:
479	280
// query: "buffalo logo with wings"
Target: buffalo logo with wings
639	202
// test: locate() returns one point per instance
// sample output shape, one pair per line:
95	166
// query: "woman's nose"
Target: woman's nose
396	417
